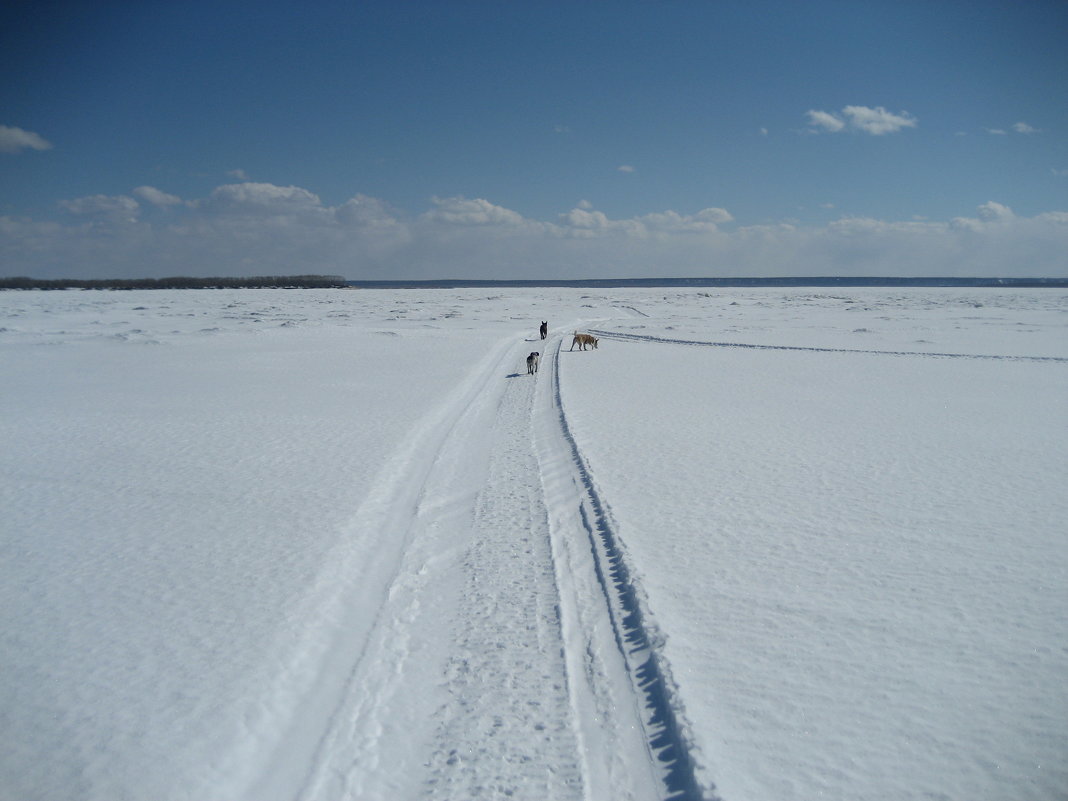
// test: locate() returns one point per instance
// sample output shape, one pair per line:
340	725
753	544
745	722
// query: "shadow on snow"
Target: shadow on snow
662	725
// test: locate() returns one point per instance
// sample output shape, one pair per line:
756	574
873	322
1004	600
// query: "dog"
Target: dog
532	362
544	330
582	340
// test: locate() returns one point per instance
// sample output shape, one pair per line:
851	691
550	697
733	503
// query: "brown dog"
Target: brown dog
532	362
582	340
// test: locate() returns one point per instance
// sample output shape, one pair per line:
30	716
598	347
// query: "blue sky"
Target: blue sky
534	139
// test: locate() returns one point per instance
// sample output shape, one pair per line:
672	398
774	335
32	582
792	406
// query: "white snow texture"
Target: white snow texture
758	545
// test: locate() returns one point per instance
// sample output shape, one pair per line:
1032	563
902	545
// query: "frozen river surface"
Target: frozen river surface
759	545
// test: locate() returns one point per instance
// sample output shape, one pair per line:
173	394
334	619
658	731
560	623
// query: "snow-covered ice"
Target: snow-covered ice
761	544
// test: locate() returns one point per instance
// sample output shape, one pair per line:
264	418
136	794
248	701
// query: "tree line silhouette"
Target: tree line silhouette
180	282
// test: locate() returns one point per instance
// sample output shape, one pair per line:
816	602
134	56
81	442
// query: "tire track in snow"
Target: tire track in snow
601	683
621	337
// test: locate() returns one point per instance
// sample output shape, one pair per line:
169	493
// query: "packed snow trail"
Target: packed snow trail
507	729
507	657
355	733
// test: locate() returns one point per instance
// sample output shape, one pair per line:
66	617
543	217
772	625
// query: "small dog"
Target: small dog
544	330
532	362
582	340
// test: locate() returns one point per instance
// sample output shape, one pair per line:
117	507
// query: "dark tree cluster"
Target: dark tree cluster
180	282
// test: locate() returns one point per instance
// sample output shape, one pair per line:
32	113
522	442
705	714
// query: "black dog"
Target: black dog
544	330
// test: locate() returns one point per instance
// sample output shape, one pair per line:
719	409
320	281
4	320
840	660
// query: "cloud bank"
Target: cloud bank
261	229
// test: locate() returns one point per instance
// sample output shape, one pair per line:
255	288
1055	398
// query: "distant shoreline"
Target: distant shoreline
338	282
803	281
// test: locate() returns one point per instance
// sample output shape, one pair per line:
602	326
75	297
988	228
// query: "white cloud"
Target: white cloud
825	120
114	208
154	196
15	140
366	211
263	194
966	224
704	221
264	199
372	226
461	211
625	168
878	121
991	211
875	121
239	174
584	222
1018	127
1060	173
714	215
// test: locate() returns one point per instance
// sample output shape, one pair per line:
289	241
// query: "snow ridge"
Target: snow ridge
667	732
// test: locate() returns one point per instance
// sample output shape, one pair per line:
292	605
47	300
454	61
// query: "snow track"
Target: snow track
509	656
353	733
613	608
623	337
506	729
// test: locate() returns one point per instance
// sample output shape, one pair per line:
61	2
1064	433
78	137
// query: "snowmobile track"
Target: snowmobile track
666	732
622	337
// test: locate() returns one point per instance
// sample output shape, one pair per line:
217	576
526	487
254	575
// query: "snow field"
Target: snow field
877	543
167	510
336	544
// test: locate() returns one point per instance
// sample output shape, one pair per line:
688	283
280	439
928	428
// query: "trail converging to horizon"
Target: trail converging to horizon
318	545
547	683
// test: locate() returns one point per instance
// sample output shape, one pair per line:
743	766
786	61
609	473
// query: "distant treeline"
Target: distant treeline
802	281
181	282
